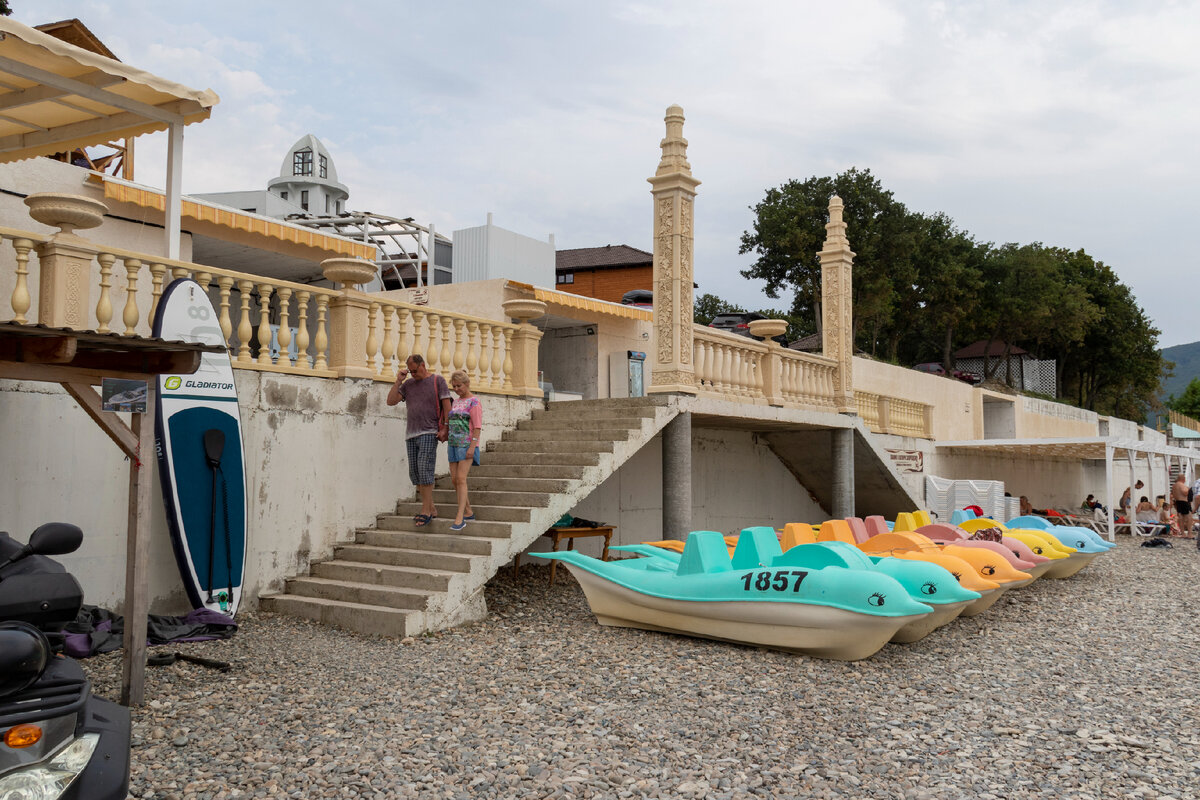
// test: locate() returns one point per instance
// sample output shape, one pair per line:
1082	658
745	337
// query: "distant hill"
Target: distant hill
1187	366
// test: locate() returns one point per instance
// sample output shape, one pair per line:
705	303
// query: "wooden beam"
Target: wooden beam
63	374
137	556
109	422
146	361
102	127
37	94
97	94
39	349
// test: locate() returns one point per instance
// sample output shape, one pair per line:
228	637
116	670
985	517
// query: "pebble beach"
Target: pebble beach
1081	688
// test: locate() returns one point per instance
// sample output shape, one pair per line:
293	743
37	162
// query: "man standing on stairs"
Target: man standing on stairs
427	402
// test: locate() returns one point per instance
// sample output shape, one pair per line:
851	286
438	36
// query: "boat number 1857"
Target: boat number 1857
779	581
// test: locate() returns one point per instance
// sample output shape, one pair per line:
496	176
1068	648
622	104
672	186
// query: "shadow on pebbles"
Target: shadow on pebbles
1079	688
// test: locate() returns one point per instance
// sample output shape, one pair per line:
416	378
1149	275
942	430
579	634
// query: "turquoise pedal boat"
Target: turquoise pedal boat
760	596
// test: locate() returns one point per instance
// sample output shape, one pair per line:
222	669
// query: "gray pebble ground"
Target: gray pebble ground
1078	688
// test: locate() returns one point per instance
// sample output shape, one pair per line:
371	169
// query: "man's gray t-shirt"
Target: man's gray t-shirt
421	399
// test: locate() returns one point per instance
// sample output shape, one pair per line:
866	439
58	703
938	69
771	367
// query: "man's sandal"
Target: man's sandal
421	520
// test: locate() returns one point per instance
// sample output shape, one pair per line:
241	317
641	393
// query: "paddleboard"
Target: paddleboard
205	497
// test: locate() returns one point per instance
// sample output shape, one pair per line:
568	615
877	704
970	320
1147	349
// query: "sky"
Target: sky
1074	124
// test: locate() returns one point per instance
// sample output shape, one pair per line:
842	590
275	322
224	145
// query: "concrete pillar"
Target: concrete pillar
843	473
677	477
671	365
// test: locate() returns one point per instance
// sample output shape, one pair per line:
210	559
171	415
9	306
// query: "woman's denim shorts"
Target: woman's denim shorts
456	454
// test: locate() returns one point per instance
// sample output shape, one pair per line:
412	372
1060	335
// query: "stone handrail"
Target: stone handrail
893	415
749	371
269	324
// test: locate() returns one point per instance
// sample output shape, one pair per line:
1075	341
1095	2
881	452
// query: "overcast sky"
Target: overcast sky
1072	124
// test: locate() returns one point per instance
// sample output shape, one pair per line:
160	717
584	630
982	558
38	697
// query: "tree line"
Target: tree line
924	288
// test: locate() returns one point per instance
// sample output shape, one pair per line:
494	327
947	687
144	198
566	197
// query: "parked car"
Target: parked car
739	323
935	368
639	298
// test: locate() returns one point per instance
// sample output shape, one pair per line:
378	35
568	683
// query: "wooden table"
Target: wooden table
570	534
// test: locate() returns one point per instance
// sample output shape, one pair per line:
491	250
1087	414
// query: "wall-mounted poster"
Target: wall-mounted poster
122	394
908	460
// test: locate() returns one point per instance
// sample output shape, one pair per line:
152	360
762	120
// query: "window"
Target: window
565	277
251	210
304	199
302	162
283	195
324	167
326	204
339	206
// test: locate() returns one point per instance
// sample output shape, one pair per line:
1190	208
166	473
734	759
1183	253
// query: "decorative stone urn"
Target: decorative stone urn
768	329
524	309
66	212
349	272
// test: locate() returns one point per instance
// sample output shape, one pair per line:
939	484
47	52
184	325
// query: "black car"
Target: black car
739	323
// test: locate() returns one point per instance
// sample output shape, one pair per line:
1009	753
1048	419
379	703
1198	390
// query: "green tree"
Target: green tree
707	306
1187	403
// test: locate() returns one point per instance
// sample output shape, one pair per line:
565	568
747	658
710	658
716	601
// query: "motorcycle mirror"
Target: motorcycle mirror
214	446
55	539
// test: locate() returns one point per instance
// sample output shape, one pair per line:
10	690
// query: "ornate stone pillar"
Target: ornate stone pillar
837	321
348	317
525	343
674	190
65	261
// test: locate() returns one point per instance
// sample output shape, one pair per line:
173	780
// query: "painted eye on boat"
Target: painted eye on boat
989	570
875	599
1037	550
929	588
957	576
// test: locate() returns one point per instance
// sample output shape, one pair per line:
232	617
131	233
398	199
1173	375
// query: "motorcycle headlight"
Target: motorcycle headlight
49	779
24	654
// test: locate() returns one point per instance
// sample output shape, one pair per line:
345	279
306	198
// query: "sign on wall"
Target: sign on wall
908	460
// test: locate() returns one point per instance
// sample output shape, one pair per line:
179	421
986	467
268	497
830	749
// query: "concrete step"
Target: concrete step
441	526
505	484
403	557
429	580
578	433
360	617
499	458
617	404
493	513
565	421
353	592
555	471
550	445
446	498
433	542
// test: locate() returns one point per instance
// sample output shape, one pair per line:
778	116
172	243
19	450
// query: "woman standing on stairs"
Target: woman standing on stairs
466	423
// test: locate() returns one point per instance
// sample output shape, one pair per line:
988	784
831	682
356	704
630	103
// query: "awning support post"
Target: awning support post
1108	479
174	206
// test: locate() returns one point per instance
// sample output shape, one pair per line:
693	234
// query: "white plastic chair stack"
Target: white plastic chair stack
938	497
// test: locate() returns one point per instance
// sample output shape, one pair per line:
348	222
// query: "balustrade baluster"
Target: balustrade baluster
485	356
130	315
472	356
226	284
387	369
699	347
264	323
433	353
726	369
284	336
460	344
104	308
157	272
420	335
447	346
508	362
498	379
245	331
322	339
179	272
372	340
302	359
20	296
402	348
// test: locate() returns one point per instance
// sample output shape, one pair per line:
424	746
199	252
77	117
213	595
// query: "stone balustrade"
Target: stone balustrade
270	325
749	371
893	415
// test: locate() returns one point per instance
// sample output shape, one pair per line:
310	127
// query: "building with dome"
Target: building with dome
307	184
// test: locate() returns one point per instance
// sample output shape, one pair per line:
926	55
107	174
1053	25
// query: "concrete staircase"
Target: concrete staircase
399	580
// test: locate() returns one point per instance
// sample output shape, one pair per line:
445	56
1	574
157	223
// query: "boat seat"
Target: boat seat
876	525
756	547
858	528
905	521
922	518
796	533
704	553
836	530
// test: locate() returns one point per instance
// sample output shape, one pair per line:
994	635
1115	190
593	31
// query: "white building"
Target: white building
307	184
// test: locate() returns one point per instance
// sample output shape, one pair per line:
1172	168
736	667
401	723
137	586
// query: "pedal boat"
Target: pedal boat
1015	552
966	567
925	582
1072	535
760	597
1066	560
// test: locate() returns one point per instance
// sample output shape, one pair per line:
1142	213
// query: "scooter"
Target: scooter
57	740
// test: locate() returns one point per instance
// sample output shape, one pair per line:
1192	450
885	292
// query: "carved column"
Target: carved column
64	289
674	190
837	334
348	317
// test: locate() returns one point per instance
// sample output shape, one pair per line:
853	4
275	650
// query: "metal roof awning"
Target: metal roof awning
55	97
